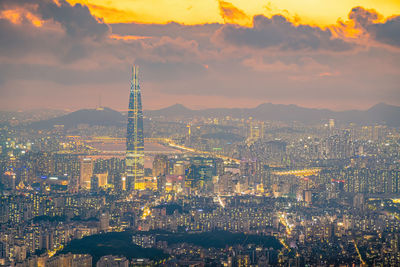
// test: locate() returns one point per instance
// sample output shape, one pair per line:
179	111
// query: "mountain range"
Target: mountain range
378	114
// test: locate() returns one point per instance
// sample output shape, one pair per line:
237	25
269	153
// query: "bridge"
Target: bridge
302	172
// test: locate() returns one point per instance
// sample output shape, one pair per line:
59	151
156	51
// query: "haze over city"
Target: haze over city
199	133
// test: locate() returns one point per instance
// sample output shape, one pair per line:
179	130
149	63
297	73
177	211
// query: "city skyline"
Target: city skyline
268	133
343	56
225	190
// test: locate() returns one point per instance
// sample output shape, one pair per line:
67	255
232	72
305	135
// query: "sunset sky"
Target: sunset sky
342	54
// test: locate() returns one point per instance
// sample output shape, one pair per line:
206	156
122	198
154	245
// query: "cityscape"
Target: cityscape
226	178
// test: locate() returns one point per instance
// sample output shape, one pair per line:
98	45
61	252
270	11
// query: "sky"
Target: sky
59	54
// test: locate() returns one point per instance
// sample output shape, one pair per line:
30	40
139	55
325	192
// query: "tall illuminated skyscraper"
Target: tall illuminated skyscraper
86	173
134	137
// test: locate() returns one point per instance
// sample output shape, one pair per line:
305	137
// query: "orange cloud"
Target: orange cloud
366	27
57	2
329	74
18	15
11	15
34	19
128	37
232	14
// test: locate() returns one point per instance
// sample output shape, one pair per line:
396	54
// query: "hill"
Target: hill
103	116
114	243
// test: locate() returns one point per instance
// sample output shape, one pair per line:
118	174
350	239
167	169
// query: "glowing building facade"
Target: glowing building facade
86	173
134	137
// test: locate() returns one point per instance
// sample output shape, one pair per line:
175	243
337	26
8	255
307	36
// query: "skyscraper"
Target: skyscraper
160	165
134	137
86	173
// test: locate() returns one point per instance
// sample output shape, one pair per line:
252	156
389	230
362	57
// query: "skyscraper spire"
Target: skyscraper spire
134	137
134	79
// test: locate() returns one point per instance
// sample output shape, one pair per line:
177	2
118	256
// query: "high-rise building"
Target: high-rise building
104	221
160	165
134	137
331	124
94	183
256	130
102	179
199	177
86	173
2	250
160	170
307	196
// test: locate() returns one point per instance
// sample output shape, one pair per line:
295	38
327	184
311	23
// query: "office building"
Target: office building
134	137
86	173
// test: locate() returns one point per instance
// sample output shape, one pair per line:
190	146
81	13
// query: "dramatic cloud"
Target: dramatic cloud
76	20
387	32
279	32
55	49
58	29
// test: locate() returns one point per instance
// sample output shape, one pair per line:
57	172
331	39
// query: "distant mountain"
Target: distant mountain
101	116
176	110
387	113
380	113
